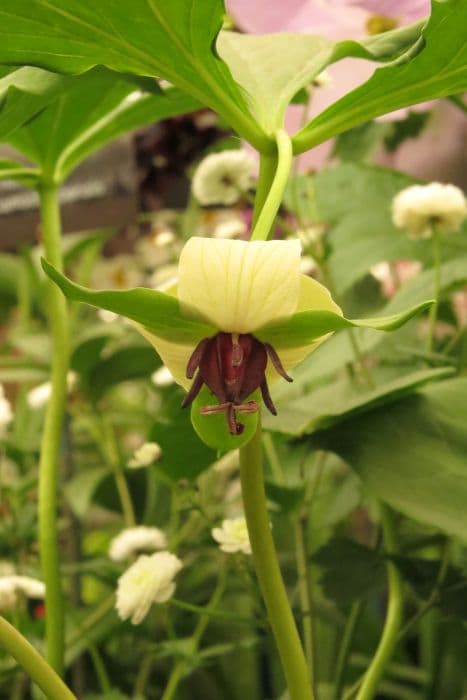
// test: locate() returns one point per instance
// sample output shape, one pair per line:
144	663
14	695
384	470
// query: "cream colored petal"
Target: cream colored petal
240	285
174	356
313	297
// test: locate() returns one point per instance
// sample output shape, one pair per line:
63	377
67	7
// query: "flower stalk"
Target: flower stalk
436	286
272	587
273	199
33	663
51	437
392	623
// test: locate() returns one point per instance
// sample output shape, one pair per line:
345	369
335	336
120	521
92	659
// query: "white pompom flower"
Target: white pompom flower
421	207
135	539
6	413
221	177
232	536
12	585
149	580
145	455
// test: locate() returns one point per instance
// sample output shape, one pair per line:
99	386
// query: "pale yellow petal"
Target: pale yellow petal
173	355
240	285
313	297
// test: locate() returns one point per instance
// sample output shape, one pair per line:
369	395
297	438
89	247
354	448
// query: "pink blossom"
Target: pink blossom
436	154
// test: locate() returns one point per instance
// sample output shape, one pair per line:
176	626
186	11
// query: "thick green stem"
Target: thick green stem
51	437
436	287
269	210
270	580
390	634
33	663
267	170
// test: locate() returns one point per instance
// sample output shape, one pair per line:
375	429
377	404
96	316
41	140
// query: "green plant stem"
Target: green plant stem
33	663
179	668
51	437
112	454
436	287
265	220
268	572
346	648
392	623
267	170
304	592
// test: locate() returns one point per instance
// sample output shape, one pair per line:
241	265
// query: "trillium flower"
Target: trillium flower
240	316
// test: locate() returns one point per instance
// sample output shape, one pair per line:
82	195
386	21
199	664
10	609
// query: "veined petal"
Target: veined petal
173	355
239	285
313	296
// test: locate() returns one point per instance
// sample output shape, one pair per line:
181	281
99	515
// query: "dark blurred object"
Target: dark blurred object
101	192
165	151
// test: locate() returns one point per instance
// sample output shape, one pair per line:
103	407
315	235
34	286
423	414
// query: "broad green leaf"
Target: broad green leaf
133	362
411	454
423	576
305	326
184	455
24	92
349	571
272	68
337	351
11	170
96	108
438	70
172	40
159	313
335	402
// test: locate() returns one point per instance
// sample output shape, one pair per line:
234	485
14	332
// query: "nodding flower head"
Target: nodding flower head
238	287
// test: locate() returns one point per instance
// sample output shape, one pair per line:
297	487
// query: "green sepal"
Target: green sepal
212	429
159	313
306	326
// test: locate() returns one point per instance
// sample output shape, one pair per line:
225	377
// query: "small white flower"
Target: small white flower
120	272
323	80
145	455
39	396
308	265
6	414
107	316
221	177
162	376
8	597
232	536
149	580
135	539
12	584
164	277
230	228
420	207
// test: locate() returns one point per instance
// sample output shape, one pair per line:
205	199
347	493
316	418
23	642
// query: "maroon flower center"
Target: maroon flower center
232	366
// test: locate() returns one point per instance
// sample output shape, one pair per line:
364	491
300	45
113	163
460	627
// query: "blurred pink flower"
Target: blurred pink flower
437	153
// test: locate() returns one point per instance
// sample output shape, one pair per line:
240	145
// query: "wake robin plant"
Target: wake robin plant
351	485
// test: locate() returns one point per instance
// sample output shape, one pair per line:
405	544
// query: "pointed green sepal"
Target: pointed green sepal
212	429
306	326
159	313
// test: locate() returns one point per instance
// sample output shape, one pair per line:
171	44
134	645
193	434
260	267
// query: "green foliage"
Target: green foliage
426	477
96	108
437	70
349	571
24	92
159	313
305	326
164	40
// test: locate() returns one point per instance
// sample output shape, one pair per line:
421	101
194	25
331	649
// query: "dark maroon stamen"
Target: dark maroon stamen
232	366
